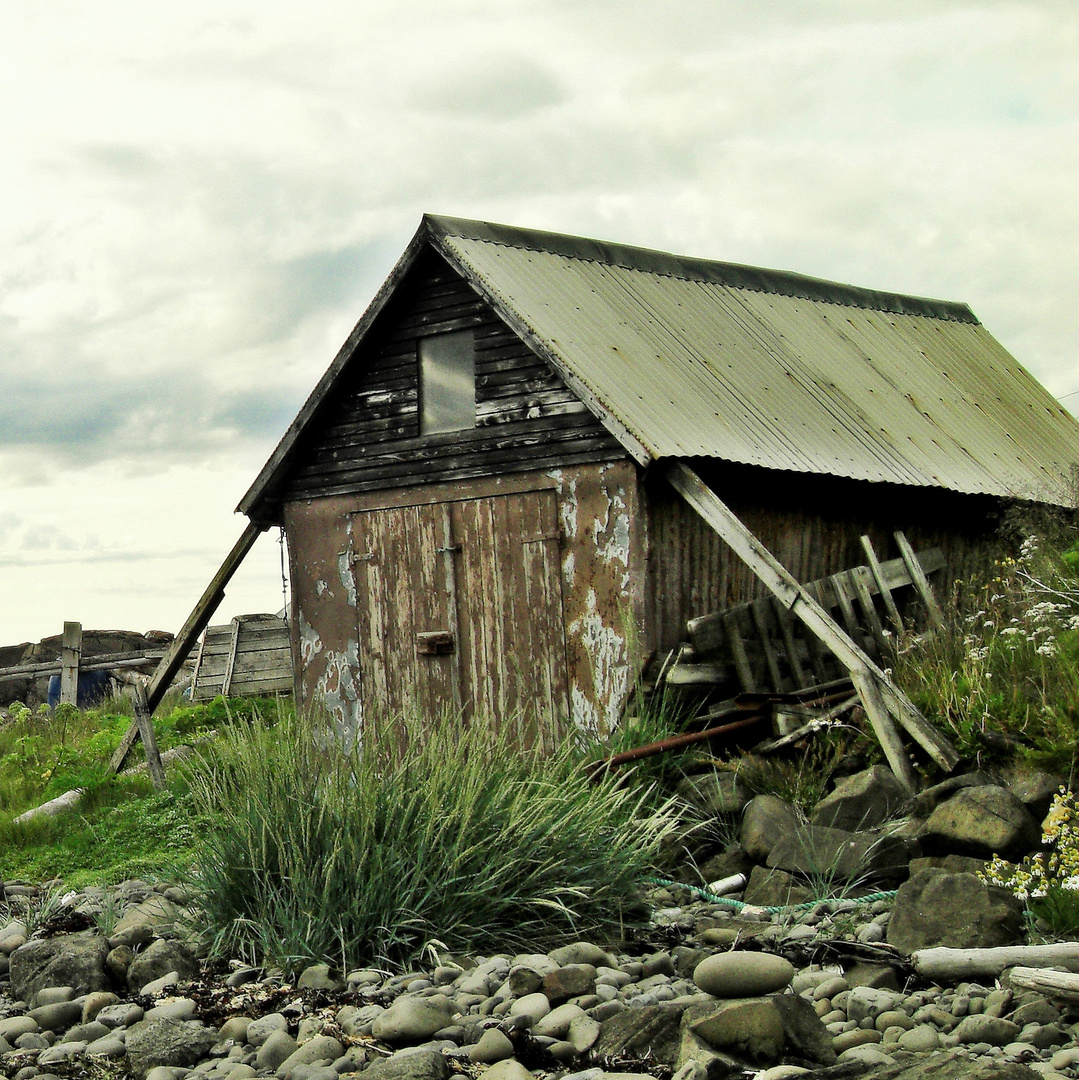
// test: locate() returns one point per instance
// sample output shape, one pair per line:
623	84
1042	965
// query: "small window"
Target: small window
447	382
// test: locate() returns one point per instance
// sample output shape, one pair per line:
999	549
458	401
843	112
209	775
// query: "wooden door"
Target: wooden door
510	592
460	606
403	591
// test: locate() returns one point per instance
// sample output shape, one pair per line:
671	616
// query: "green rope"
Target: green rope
739	904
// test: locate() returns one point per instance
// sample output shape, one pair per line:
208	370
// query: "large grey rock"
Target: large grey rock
277	1047
958	910
861	801
840	856
159	959
167	1042
765	821
140	924
742	974
57	1017
952	1065
748	1028
925	802
493	1046
986	1029
637	1032
412	1019
1034	789
803	1032
573	980
774	888
416	1065
982	821
582	952
715	792
75	960
320	1048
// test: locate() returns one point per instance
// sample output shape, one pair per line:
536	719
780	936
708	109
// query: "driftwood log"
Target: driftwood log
1061	985
954	965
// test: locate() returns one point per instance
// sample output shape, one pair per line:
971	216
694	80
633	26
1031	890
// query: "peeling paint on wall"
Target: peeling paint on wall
607	653
339	692
321	587
344	572
310	645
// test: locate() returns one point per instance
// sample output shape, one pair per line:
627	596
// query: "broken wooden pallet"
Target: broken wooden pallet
249	657
760	646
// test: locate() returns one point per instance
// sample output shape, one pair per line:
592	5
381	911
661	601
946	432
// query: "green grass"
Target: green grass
435	830
121	828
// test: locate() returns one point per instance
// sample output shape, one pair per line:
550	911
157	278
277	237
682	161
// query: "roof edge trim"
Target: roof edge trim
264	487
733	275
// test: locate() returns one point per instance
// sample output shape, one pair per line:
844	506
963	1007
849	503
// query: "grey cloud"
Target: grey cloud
489	88
97	416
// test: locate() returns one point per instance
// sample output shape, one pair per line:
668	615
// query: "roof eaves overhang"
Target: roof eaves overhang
260	502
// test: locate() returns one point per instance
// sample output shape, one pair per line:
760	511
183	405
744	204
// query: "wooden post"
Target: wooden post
181	645
149	740
70	655
779	581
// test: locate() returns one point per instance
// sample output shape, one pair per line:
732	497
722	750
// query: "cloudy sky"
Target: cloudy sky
197	200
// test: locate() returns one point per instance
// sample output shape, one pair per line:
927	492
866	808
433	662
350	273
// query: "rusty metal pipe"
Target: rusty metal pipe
675	742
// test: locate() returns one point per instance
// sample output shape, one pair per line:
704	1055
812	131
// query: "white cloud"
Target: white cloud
196	202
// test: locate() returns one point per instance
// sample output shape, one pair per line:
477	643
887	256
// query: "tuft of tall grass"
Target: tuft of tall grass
432	830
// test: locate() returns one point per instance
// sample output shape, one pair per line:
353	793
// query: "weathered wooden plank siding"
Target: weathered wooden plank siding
369	438
813	525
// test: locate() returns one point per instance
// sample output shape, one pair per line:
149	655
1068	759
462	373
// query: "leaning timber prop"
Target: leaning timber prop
882	700
146	701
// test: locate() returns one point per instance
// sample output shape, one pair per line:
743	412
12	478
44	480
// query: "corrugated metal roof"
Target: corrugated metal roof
697	359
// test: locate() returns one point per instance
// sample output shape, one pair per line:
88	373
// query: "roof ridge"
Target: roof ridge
692	268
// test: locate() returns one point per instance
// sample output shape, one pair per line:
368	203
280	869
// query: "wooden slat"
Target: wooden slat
757	613
859	579
881	584
794	661
921	582
230	663
875	687
739	655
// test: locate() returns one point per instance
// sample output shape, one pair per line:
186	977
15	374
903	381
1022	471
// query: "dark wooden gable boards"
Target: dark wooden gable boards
366	435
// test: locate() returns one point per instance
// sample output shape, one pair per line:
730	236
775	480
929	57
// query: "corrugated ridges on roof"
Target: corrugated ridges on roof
691	358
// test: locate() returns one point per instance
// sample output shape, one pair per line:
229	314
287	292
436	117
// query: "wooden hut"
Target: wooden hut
475	495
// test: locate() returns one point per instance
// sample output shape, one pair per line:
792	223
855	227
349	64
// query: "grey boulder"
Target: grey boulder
167	1042
862	801
765	821
415	1065
957	910
161	958
982	821
75	960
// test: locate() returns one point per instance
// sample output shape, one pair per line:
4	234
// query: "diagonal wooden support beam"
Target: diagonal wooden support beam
881	697
182	644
